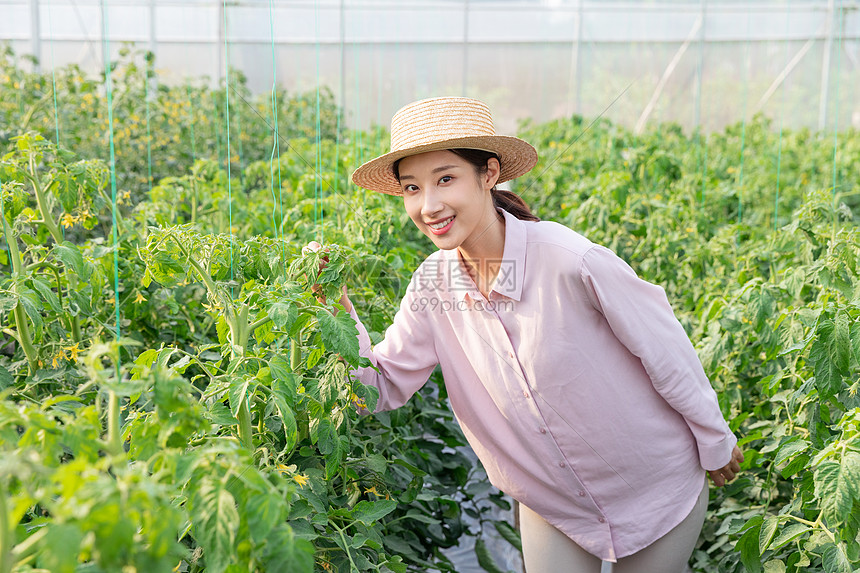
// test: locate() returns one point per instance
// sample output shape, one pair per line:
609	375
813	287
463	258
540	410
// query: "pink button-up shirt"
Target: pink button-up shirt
574	383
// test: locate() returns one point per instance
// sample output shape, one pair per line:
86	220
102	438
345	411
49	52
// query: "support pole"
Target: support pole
35	35
219	47
342	57
825	68
465	48
667	73
785	72
152	40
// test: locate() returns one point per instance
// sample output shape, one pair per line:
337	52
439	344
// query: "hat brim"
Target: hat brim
516	157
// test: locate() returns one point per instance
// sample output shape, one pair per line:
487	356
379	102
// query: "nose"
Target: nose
432	203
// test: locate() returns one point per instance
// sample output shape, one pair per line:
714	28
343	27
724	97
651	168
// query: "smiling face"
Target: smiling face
447	199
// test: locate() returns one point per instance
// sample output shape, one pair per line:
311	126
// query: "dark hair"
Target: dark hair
502	199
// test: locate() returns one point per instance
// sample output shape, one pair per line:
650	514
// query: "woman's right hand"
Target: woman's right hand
313	247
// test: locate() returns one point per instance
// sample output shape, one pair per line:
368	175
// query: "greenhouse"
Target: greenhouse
255	319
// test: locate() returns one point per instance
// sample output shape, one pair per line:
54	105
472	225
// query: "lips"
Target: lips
441	227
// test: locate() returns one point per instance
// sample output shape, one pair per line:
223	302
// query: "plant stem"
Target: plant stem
114	438
246	431
295	354
5	533
21	323
54	230
239	334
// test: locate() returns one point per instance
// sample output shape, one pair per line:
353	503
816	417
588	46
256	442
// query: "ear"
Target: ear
490	178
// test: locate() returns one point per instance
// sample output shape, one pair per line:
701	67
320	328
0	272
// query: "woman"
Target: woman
571	378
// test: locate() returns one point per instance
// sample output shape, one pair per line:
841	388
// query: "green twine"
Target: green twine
3	223
702	147
54	84
109	90
839	21
238	118
148	129
318	192
54	88
276	147
779	148
744	124
227	123
191	124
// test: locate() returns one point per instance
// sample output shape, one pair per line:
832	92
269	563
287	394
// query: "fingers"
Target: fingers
717	478
728	472
313	246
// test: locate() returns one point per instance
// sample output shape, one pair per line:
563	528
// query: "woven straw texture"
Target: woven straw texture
444	123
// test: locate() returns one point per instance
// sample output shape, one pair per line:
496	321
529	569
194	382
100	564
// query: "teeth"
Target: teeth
443	223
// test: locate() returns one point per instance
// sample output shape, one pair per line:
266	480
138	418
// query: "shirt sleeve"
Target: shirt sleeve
640	316
406	356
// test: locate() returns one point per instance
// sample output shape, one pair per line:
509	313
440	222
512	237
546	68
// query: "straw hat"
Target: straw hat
444	123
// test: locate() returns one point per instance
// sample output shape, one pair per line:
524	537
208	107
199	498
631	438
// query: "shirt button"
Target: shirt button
525	394
543	430
582	493
601	520
510	354
561	464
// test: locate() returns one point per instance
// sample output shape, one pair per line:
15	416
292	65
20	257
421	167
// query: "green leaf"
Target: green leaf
835	560
6	378
29	300
837	485
334	458
774	566
828	358
61	548
789	449
369	512
788	534
263	511
326	436
8	301
283	314
509	534
768	529
223	329
288	419
72	259
854	336
47	295
238	392
485	560
339	334
286	552
216	521
747	545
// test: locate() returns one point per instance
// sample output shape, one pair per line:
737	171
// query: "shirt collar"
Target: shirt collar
509	281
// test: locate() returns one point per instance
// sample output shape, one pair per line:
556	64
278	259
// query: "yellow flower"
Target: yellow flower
73	351
357	402
301	479
68	221
373	491
55	363
139	298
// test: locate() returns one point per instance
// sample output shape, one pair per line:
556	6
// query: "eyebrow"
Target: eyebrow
437	170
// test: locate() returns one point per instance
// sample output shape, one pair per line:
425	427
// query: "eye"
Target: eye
445	178
410	189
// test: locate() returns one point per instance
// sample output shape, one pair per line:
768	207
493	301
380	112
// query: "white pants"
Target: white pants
548	550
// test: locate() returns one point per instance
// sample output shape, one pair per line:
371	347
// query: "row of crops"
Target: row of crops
173	397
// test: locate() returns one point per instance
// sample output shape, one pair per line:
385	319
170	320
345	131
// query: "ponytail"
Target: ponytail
513	204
